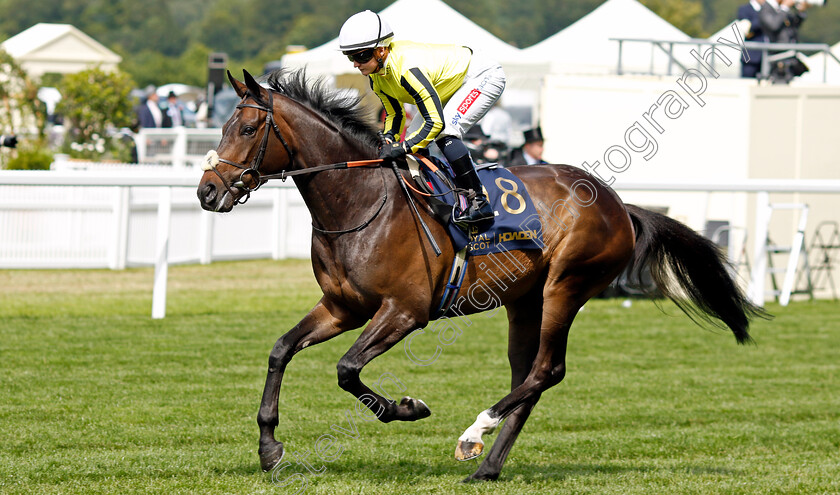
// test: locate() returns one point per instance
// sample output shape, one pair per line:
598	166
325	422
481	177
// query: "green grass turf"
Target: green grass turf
95	397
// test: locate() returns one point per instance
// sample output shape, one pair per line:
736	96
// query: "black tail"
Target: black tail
679	258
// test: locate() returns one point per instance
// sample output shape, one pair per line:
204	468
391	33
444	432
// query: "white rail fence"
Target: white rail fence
135	217
119	218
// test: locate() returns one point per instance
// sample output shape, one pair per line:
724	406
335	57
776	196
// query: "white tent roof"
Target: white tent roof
58	48
418	20
585	46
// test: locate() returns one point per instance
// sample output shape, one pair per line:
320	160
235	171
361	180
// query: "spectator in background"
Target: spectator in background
780	22
531	152
749	12
482	149
149	113
174	110
497	124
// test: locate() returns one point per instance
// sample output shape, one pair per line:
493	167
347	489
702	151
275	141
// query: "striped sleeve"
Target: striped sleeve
394	114
415	82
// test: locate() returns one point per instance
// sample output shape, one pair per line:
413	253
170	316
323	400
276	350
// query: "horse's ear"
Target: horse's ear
237	86
253	86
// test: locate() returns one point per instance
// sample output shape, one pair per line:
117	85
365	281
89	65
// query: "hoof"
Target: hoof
413	409
465	451
271	455
476	477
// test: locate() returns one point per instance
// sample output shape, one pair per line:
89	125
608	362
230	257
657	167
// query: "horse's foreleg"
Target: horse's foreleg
388	326
322	323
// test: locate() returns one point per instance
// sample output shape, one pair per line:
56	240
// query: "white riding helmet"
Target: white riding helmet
364	30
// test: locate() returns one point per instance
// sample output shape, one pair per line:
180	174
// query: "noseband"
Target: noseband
253	170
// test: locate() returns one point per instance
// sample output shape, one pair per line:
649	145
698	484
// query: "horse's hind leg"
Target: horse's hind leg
322	323
523	344
563	298
388	326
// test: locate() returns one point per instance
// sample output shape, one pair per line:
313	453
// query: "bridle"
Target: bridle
253	171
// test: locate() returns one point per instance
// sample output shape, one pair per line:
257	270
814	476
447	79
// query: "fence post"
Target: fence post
620	49
179	148
119	244
162	253
793	258
140	141
759	271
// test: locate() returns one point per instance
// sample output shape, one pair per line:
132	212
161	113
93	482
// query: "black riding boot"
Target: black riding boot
479	210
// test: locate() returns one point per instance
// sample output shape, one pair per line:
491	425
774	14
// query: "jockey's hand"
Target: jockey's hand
393	152
385	140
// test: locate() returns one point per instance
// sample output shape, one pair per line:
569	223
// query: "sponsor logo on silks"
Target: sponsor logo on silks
468	101
456	118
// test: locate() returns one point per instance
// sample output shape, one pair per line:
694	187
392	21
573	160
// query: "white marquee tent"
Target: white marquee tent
585	46
58	48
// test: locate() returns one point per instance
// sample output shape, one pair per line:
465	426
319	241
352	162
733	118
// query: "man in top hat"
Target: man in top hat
531	152
174	110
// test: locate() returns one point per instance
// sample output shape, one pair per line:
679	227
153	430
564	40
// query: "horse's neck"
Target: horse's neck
335	199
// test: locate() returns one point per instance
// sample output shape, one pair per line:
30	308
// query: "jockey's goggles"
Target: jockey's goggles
360	57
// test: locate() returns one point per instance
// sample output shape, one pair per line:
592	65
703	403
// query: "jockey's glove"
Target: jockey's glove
385	138
393	152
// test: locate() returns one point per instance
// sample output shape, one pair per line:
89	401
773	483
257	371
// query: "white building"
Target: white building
58	48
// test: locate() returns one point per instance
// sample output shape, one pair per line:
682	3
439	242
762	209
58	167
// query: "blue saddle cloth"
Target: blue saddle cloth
517	225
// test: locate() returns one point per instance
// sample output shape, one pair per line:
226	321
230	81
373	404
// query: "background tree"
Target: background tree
94	104
685	15
21	112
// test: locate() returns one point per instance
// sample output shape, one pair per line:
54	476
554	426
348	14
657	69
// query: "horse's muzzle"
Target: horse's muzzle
214	198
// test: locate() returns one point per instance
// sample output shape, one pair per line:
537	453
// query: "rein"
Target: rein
212	159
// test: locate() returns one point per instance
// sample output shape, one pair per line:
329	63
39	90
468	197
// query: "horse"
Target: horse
375	264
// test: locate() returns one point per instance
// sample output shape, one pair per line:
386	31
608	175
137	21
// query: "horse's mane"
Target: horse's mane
342	110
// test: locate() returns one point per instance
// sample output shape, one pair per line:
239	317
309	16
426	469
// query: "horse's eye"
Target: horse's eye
248	130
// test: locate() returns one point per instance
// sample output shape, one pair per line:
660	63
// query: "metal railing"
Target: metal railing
767	49
181	147
762	188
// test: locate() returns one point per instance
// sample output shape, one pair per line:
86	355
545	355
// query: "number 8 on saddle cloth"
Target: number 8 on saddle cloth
517	224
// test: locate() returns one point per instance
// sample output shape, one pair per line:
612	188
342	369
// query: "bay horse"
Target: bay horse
374	263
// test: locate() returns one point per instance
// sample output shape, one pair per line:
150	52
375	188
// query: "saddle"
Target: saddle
421	167
517	225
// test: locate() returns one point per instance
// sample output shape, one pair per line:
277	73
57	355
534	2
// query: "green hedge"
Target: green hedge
29	157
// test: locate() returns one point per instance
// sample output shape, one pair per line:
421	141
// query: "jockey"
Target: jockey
452	87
